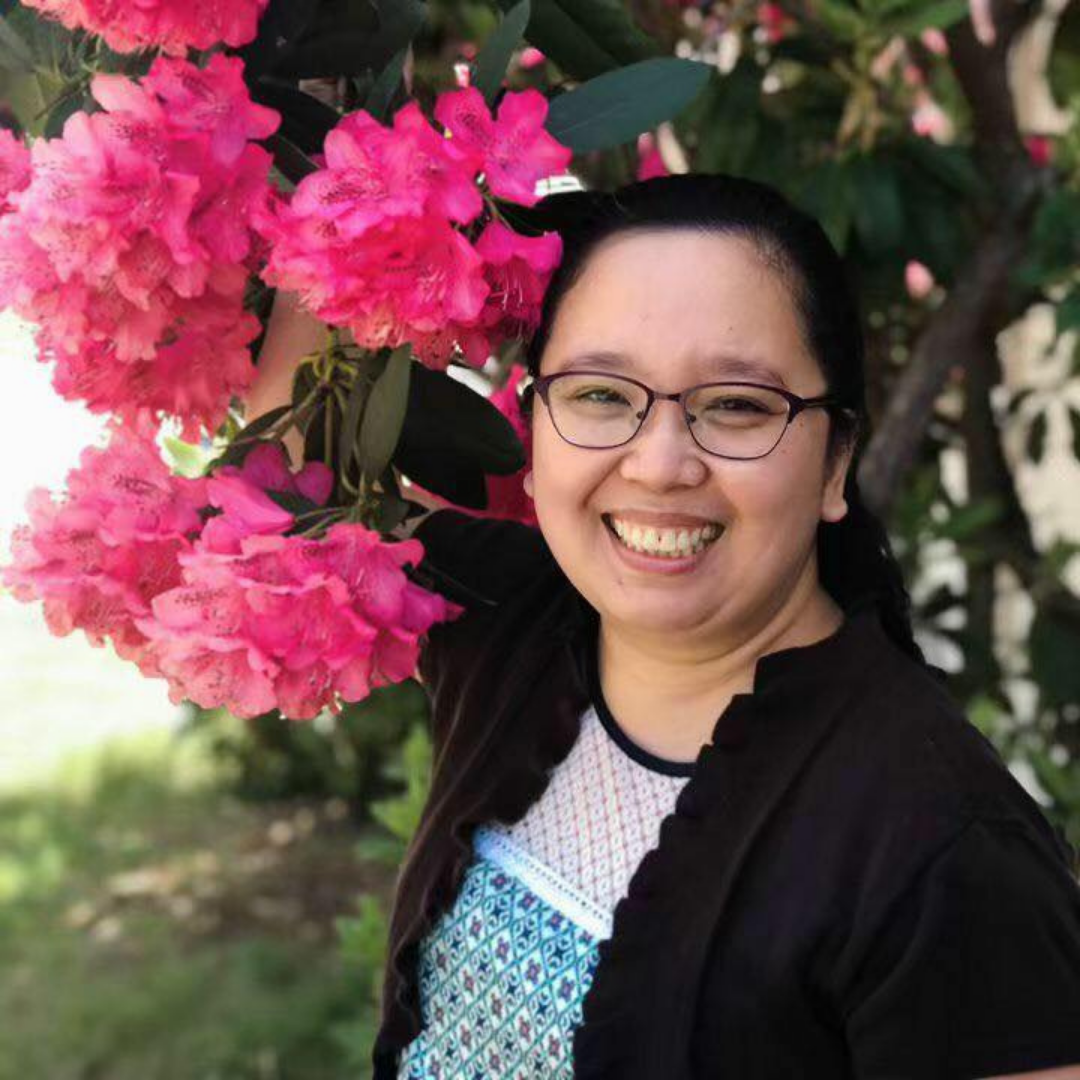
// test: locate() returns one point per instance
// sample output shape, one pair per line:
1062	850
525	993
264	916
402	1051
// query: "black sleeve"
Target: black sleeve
976	972
475	561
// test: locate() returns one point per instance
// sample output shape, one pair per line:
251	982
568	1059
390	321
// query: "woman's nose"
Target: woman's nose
663	452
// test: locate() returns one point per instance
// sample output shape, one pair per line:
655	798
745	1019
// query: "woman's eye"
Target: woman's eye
601	396
735	405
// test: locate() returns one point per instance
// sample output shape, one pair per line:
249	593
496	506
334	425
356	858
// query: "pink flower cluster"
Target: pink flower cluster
133	241
171	25
14	169
373	240
197	582
264	620
97	557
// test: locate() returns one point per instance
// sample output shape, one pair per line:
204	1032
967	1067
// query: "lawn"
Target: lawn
154	927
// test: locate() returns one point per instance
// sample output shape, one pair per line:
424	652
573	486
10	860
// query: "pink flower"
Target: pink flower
132	244
530	58
650	161
1040	149
99	555
14	168
935	41
918	280
774	21
518	269
371	240
515	149
172	25
293	623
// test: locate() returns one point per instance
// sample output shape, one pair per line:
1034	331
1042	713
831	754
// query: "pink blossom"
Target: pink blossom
518	269
530	58
918	280
172	25
650	161
515	149
371	241
1040	149
774	21
14	168
99	555
132	244
935	41
294	623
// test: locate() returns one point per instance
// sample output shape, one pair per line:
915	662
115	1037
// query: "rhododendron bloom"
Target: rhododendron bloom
294	623
650	160
518	269
133	242
172	25
99	555
14	168
918	280
371	240
515	149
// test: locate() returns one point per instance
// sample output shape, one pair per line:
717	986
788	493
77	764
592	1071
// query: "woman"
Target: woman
699	806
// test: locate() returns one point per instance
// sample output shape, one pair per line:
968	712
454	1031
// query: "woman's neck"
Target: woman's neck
667	695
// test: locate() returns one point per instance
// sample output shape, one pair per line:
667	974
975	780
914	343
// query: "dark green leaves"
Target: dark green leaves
617	107
384	414
586	37
452	437
494	58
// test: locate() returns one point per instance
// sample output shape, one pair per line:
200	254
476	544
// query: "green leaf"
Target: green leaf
290	160
1074	419
878	209
350	424
348	37
452	437
305	120
186	459
842	21
968	521
14	52
826	193
381	96
586	37
1054	644
384	414
280	28
940	15
494	58
615	108
1067	313
1036	439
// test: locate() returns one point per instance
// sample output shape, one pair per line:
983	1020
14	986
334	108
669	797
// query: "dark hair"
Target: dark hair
855	558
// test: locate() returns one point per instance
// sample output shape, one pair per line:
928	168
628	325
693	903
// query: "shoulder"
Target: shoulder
912	772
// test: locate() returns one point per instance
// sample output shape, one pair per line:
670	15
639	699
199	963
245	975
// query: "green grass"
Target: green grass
153	927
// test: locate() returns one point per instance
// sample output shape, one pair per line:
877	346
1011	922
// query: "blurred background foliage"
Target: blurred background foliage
938	145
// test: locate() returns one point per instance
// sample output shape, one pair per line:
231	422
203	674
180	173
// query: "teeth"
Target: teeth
671	542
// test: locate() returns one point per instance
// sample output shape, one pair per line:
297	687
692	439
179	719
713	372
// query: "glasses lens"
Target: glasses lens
737	421
596	410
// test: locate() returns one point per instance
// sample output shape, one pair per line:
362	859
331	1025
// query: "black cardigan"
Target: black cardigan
852	883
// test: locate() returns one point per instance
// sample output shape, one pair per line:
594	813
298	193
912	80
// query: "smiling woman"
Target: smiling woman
700	807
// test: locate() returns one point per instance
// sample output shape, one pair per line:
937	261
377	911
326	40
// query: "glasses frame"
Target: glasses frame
541	384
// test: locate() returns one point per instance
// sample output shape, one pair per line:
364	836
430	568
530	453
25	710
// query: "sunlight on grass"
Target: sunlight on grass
152	925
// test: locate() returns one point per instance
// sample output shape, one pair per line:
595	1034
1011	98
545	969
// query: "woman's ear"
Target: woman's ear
527	483
834	506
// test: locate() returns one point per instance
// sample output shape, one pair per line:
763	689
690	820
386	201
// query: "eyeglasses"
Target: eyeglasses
738	420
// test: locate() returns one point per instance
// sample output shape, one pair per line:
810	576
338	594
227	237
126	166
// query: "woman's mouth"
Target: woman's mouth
675	544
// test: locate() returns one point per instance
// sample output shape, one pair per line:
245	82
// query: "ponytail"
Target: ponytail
856	564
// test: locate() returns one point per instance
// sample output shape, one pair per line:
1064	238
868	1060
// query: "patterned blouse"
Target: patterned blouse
504	971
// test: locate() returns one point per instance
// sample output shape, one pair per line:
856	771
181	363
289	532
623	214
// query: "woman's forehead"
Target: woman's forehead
706	304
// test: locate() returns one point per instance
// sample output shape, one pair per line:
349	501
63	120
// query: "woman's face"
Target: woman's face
675	308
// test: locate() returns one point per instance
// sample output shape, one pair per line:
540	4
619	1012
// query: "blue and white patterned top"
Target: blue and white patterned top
504	971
